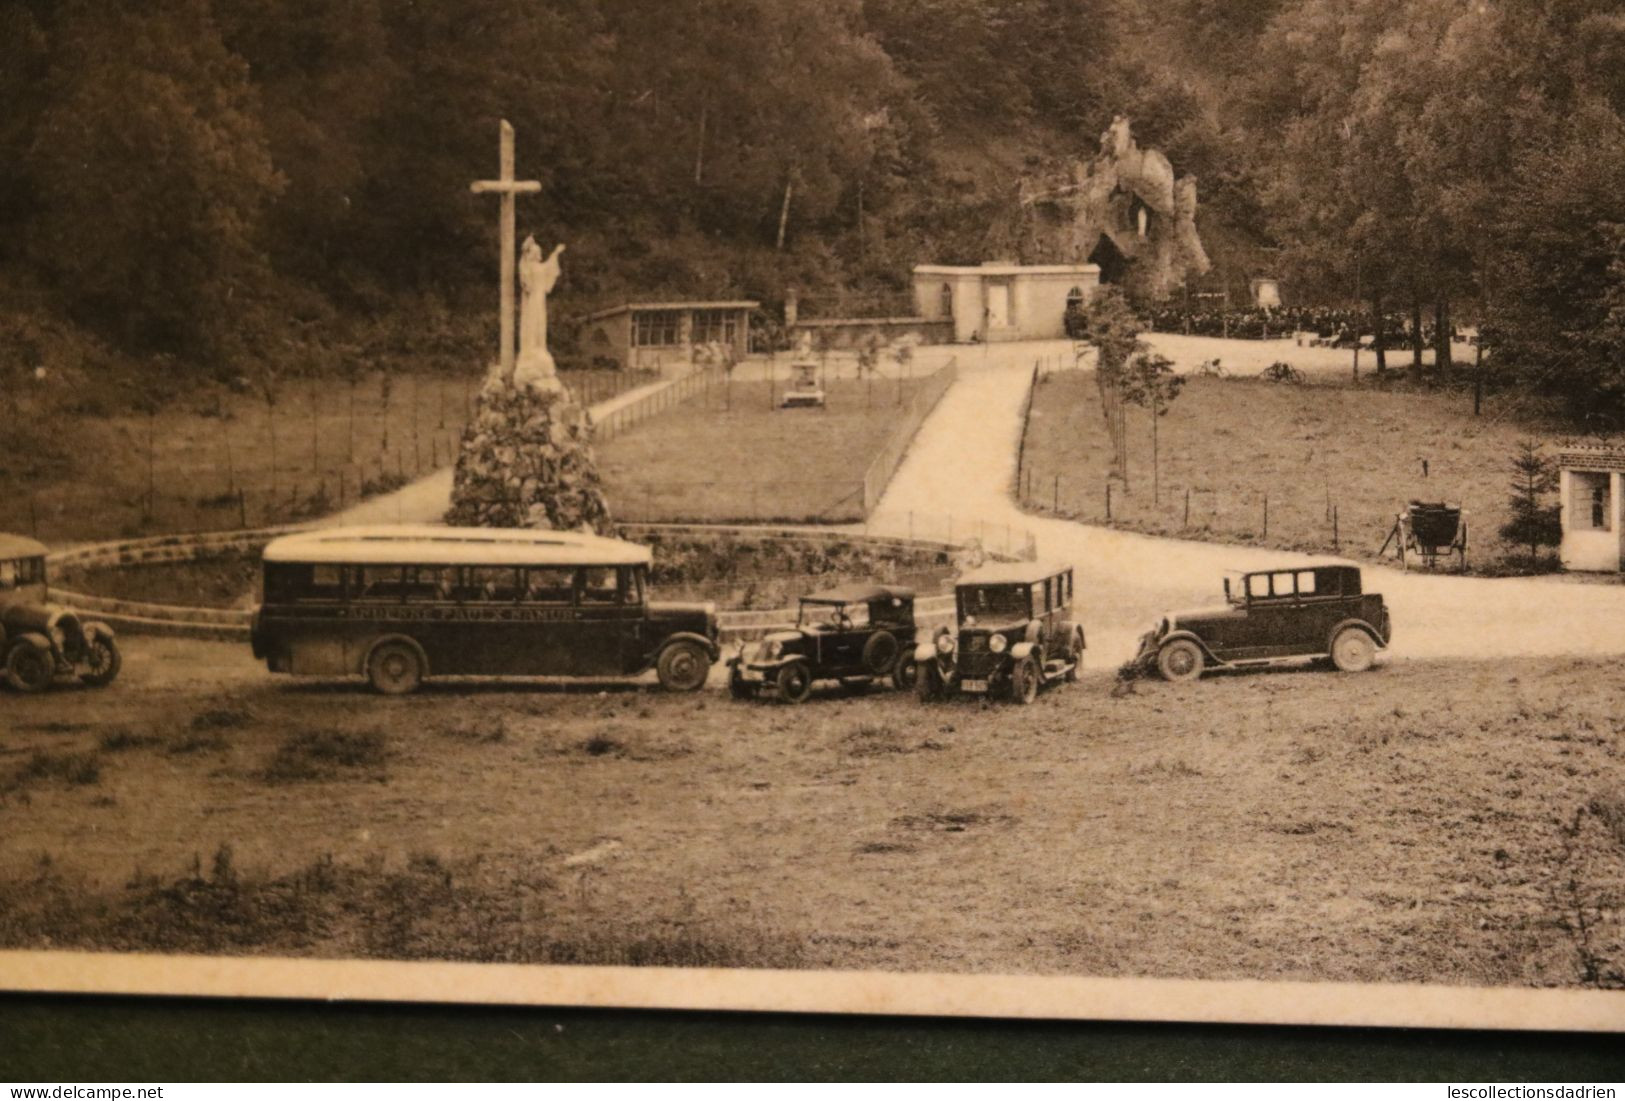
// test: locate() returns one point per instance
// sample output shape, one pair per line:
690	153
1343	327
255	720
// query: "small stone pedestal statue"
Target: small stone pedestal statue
526	456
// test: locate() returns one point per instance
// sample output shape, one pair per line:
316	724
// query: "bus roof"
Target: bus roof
20	546
435	545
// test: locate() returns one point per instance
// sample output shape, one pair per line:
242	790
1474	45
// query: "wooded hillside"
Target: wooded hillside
241	186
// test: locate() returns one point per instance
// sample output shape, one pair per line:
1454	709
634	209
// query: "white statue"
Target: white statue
535	365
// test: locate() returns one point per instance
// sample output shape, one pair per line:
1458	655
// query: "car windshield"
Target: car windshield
17	572
818	614
995	601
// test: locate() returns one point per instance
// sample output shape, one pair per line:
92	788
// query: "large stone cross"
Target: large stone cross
506	186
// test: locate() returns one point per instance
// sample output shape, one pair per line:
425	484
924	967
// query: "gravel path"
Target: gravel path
963	464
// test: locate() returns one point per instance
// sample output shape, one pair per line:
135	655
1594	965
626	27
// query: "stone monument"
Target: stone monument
1125	203
526	455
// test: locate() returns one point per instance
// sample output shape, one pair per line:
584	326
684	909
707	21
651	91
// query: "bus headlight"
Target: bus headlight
998	644
945	644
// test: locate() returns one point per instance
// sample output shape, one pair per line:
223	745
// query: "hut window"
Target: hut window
657	328
1592	502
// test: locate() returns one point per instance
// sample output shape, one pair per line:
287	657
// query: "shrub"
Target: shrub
311	755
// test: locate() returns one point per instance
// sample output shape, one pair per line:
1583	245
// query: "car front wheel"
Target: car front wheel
795	682
905	673
102	663
1353	651
29	668
1024	681
740	688
683	667
1180	660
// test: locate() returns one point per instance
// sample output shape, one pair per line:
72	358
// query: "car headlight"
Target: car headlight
945	644
998	644
772	649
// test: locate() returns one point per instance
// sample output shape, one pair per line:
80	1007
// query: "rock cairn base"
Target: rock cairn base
526	461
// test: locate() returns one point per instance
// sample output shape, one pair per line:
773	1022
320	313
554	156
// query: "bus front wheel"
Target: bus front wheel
394	669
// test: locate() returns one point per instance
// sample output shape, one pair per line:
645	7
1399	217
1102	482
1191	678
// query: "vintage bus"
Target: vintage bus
401	604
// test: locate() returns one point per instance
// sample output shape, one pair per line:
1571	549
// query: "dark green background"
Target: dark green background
66	1039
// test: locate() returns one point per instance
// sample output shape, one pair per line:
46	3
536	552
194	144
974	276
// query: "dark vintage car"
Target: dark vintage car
38	640
855	634
1271	616
1016	634
401	604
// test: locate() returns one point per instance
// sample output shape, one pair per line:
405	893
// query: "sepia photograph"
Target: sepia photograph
1027	508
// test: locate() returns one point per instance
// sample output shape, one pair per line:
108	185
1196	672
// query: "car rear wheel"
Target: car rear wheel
1024	681
683	667
905	673
880	652
102	662
29	668
394	669
795	682
1353	651
1180	660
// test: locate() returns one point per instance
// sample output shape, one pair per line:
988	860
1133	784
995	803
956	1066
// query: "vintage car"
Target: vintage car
1016	634
401	604
854	634
1270	616
38	640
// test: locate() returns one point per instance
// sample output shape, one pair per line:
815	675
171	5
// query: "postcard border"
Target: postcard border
856	992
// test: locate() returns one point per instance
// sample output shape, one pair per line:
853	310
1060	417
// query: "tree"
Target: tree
154	177
1152	383
1534	523
1109	324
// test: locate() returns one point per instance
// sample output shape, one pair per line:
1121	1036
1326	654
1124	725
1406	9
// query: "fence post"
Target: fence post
242	507
1266	516
33	514
1057	505
1108	499
1336	542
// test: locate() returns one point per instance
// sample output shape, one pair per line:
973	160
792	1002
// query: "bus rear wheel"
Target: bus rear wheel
394	669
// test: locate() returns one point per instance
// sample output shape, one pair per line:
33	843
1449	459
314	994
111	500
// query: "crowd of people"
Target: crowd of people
1330	325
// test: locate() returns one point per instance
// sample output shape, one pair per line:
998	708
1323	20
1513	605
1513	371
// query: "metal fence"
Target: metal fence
668	396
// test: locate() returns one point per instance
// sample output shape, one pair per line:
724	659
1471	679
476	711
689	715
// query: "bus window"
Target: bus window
8	575
600	585
550	584
489	584
300	582
382	583
430	583
634	585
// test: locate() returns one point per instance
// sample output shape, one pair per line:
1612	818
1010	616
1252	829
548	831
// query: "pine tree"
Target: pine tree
1534	523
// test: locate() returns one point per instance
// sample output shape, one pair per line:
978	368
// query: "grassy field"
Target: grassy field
1226	444
121	473
1449	823
734	455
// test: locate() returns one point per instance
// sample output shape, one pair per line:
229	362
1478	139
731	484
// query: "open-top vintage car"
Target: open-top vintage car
1271	616
38	640
855	634
1016	634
